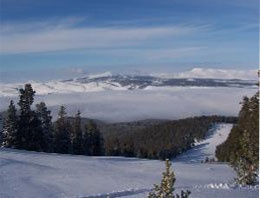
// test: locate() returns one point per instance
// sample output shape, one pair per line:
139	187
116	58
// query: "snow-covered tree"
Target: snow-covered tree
247	164
10	127
241	148
166	188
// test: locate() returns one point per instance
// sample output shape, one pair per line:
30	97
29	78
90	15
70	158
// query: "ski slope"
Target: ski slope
26	174
206	148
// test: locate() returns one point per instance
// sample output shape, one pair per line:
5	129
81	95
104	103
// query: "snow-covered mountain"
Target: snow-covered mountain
213	73
109	81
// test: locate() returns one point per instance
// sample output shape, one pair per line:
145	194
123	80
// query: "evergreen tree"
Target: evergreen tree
30	134
44	115
93	140
77	135
26	99
96	139
113	147
10	127
166	187
87	142
241	148
247	164
34	139
62	142
1	129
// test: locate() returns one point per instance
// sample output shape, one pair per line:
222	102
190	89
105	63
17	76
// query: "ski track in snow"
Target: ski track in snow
129	192
26	174
119	193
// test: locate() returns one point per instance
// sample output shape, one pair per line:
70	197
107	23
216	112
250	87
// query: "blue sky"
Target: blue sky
69	38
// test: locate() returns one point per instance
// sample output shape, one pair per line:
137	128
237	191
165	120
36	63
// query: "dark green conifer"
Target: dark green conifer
242	145
77	135
29	130
62	142
44	115
93	140
10	127
166	188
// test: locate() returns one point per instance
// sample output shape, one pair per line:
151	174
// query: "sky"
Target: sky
41	40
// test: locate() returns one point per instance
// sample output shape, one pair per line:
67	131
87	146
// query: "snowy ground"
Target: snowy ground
206	148
29	174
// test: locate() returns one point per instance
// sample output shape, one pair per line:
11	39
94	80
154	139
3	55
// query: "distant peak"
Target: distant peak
213	74
100	75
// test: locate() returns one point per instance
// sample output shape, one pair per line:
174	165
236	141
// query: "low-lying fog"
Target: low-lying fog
158	103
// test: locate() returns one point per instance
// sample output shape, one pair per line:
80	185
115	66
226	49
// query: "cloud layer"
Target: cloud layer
171	103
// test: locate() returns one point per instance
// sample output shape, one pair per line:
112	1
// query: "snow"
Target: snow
61	87
108	81
212	73
206	148
26	174
105	74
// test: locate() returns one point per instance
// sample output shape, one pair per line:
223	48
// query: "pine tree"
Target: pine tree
44	116
166	187
96	139
241	148
247	164
26	99
77	135
29	131
62	142
93	142
87	142
1	129
10	127
34	138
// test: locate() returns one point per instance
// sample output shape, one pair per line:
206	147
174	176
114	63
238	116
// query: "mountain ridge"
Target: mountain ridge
122	82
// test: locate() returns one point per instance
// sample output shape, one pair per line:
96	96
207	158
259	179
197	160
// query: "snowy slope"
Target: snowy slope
109	81
29	174
206	148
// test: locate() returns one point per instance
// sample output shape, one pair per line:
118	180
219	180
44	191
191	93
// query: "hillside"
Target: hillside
241	148
29	174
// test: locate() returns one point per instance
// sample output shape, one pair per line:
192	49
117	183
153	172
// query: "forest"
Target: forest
32	128
241	148
162	141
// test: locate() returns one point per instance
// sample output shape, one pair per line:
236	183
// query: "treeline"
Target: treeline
34	130
162	141
241	148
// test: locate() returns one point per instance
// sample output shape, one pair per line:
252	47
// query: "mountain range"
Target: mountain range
197	77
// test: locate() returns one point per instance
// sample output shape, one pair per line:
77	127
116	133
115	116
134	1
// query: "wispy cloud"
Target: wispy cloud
173	53
67	34
152	54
